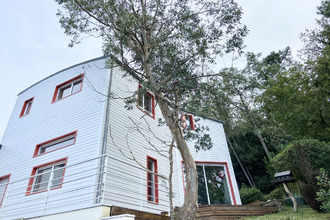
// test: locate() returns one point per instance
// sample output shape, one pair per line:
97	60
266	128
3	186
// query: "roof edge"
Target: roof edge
87	61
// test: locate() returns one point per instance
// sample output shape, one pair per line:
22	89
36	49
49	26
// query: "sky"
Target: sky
33	45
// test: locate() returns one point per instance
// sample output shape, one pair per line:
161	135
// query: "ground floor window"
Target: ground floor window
212	184
152	182
47	176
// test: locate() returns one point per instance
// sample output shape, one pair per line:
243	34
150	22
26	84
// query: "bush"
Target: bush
323	194
304	158
249	194
276	194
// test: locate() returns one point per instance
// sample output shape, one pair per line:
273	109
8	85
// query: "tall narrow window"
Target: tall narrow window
26	107
47	177
68	88
152	182
3	186
146	102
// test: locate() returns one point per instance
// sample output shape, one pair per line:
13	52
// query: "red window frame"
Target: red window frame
225	164
57	88
152	113
152	179
34	171
37	149
191	121
25	105
4	192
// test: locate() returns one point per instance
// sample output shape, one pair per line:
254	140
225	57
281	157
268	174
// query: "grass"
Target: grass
287	213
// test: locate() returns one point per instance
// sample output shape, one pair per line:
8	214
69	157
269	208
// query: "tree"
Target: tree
167	45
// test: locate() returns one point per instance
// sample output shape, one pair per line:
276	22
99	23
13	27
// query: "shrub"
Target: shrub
323	194
304	158
250	194
276	194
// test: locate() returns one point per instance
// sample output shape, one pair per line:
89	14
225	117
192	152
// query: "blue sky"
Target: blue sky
33	45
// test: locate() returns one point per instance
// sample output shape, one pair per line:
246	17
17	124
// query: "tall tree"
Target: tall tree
167	45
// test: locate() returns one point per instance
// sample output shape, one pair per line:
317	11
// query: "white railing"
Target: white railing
99	181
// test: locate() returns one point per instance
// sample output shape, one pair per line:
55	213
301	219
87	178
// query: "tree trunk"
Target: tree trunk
189	208
295	205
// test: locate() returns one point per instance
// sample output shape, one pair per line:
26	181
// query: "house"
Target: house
71	152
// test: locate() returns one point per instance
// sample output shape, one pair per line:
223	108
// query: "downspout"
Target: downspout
105	135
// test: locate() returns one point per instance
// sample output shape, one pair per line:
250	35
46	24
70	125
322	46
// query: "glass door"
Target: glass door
212	185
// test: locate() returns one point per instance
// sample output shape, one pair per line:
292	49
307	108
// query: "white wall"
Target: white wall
81	112
131	191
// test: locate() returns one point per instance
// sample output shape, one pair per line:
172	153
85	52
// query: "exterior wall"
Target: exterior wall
219	153
94	213
131	136
81	112
126	184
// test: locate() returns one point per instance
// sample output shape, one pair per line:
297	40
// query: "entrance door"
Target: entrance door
212	184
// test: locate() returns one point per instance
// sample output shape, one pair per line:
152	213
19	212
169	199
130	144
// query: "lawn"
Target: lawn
287	213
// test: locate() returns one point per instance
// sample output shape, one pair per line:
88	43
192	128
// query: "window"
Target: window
152	182
212	184
146	102
187	121
47	177
55	144
3	187
68	88
26	107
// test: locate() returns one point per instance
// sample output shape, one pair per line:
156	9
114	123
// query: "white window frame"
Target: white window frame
50	180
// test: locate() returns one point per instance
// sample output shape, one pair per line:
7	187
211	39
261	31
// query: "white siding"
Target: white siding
81	112
85	112
218	153
131	191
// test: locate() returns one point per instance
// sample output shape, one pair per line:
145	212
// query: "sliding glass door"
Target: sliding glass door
212	184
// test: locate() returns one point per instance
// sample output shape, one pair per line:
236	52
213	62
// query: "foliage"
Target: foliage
315	155
169	46
287	213
250	194
277	193
323	194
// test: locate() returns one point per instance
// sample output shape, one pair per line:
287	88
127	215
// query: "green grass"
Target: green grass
287	213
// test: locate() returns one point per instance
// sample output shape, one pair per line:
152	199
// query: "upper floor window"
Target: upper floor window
26	107
187	121
152	183
3	186
55	144
146	102
68	88
47	177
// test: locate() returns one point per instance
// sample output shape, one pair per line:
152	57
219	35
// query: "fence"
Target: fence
89	183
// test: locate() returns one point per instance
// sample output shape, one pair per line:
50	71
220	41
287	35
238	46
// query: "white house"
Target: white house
71	152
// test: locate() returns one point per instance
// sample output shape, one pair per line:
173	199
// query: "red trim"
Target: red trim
67	82
156	181
35	154
152	115
24	107
229	178
34	170
4	192
191	121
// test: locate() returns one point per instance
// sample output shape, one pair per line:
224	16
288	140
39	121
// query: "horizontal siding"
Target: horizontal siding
218	153
123	135
82	112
